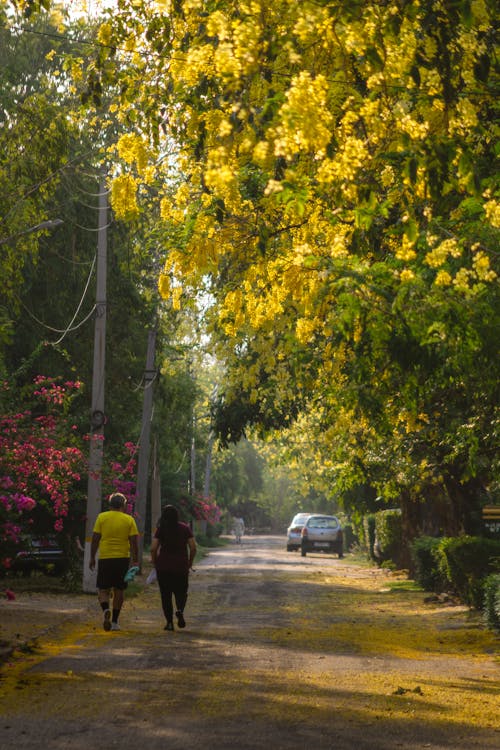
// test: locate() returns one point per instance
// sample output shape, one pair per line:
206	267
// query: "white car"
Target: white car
294	531
322	533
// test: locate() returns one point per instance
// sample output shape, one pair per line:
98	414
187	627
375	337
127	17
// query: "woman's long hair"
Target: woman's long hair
169	524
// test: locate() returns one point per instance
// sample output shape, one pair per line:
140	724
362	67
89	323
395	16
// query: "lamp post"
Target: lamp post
49	224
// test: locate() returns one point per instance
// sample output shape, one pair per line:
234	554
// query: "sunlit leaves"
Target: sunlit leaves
333	189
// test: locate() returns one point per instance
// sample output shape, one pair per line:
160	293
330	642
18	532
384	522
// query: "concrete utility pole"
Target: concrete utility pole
192	461
97	418
143	464
155	490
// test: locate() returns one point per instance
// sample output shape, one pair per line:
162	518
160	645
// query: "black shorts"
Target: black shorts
111	572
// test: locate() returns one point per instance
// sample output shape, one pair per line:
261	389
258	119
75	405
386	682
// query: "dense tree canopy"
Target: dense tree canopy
327	174
50	168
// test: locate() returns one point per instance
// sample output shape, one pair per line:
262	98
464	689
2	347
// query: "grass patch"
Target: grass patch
404	586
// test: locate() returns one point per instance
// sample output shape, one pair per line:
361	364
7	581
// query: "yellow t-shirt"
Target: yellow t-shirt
115	529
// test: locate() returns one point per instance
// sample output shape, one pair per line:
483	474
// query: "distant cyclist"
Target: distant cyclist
238	528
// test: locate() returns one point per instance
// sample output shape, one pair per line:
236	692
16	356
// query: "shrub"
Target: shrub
350	537
466	562
425	556
492	601
388	538
369	533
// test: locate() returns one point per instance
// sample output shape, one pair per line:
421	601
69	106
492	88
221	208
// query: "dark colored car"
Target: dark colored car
322	533
294	531
40	553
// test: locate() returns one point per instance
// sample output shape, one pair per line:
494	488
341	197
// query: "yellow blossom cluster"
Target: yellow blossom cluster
407	275
443	278
305	121
104	34
492	211
439	255
124	196
314	155
343	169
133	149
465	118
472	48
406	250
481	265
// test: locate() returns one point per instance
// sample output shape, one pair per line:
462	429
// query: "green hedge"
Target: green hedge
457	564
466	562
492	601
369	533
350	537
388	536
425	556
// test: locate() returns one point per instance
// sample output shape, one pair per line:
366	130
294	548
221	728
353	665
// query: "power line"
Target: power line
37	185
57	330
151	53
66	331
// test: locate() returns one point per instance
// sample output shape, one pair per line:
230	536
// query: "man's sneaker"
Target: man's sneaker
107	620
181	622
169	626
115	626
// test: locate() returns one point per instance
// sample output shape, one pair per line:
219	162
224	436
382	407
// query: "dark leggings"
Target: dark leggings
176	584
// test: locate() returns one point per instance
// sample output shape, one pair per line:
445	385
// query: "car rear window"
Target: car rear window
323	523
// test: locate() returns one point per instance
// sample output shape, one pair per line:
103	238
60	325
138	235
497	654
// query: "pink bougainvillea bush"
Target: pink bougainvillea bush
200	508
41	461
121	476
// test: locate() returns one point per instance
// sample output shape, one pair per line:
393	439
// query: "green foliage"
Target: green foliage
350	536
424	551
388	537
492	601
368	526
343	217
466	562
457	564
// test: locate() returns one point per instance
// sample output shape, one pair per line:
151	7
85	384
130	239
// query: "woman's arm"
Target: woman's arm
192	550
154	550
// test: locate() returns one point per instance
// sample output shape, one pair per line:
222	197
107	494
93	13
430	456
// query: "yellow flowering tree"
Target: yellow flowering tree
326	175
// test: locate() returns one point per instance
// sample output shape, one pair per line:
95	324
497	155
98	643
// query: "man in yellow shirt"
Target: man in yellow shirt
116	537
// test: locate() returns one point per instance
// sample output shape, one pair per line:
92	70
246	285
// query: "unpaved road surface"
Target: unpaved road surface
279	652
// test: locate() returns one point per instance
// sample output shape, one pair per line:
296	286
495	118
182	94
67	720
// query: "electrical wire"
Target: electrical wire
71	260
59	330
91	229
36	186
151	53
69	328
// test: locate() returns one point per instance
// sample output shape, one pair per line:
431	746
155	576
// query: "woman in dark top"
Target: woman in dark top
172	553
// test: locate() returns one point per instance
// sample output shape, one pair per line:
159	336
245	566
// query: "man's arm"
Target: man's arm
134	548
94	546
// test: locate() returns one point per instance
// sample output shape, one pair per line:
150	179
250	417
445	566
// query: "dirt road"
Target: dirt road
279	651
